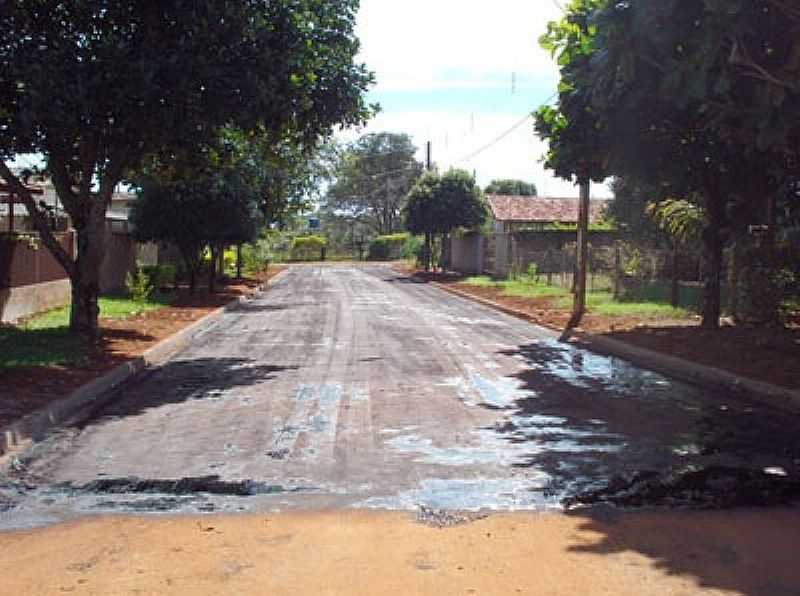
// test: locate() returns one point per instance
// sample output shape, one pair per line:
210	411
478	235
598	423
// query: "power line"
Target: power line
492	143
503	135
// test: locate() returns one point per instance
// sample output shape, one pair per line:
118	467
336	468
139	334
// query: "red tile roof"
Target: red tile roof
542	209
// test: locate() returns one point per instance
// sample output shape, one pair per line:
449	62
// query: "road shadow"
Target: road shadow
252	307
109	334
404	280
744	551
593	422
180	381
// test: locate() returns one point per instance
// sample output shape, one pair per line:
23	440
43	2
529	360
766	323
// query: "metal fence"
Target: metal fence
626	270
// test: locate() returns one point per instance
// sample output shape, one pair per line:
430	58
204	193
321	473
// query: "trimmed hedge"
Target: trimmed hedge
386	248
308	248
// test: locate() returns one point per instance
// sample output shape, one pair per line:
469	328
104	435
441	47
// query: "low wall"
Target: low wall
466	253
21	302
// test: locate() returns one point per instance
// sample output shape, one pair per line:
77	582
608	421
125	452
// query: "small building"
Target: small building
525	230
517	213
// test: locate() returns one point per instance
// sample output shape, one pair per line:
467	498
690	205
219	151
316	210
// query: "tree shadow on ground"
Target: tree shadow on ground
404	280
590	419
47	346
769	354
746	551
180	381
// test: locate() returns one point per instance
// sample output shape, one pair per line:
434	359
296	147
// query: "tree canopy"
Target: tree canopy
511	187
437	205
373	177
659	92
95	87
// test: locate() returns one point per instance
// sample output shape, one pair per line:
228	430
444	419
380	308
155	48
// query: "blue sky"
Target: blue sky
444	72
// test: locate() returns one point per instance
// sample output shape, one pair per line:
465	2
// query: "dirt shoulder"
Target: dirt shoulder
355	552
25	390
769	355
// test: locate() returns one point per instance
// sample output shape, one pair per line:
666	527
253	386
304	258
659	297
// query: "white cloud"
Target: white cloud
517	155
456	49
415	44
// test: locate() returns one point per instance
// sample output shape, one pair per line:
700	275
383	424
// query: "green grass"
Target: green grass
517	287
603	303
45	340
600	302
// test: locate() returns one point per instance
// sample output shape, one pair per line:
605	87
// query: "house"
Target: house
525	230
516	213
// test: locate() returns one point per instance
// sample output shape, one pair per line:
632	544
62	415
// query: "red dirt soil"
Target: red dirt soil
24	390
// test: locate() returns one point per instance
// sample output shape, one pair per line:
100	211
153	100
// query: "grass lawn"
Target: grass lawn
600	302
44	340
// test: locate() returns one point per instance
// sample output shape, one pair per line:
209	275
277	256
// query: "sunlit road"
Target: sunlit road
347	386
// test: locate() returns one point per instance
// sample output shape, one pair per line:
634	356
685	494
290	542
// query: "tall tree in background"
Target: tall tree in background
95	87
511	187
437	205
668	93
373	177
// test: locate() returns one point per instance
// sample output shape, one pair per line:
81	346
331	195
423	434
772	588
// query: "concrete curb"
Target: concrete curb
690	372
29	429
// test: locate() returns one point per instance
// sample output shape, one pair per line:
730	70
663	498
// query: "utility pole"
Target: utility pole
428	165
579	301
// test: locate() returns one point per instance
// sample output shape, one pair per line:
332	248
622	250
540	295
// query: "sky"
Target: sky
461	74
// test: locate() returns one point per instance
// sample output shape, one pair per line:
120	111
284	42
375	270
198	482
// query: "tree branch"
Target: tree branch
40	222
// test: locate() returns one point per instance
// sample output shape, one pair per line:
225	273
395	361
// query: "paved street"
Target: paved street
354	386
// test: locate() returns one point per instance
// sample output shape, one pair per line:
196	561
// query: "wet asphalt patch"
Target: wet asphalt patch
713	487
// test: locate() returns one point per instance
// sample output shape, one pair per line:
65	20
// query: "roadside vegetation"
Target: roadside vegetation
601	302
46	340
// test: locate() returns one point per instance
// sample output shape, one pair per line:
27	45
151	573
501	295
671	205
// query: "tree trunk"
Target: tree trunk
733	279
674	297
582	250
212	272
713	243
85	278
428	251
238	261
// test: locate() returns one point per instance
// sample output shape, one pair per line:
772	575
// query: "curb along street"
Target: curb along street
697	374
29	429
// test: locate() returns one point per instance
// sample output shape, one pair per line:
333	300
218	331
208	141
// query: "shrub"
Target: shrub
411	247
138	284
384	248
161	276
308	248
256	256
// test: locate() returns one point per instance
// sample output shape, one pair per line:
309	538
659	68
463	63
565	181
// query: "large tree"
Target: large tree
437	205
94	87
373	177
212	209
643	94
508	186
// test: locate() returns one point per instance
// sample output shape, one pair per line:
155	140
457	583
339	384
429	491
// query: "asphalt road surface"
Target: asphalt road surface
355	386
